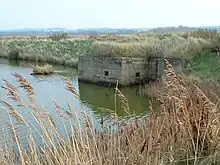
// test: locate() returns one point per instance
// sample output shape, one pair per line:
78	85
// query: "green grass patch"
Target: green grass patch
205	66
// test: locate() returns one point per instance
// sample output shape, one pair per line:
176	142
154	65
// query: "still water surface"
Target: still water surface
93	98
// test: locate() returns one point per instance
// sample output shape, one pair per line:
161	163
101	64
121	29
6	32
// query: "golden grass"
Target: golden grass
209	87
136	49
186	130
46	69
182	45
173	46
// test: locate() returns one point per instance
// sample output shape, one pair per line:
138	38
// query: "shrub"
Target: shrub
58	37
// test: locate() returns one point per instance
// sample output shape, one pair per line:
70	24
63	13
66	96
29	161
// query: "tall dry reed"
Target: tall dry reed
184	131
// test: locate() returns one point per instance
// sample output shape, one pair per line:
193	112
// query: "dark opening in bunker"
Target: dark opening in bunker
106	73
137	74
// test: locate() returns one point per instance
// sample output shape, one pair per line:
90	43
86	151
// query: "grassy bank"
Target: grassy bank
185	130
63	52
202	70
173	46
66	51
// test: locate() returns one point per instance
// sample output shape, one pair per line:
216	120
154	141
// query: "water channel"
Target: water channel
94	99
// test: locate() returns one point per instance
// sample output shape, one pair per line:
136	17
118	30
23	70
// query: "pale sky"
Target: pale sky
75	14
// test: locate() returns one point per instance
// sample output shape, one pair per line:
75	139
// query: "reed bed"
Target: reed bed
67	51
174	46
114	49
64	52
185	130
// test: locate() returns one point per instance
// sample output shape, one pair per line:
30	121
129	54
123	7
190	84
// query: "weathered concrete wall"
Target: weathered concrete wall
99	69
178	64
107	70
157	66
152	68
110	69
134	70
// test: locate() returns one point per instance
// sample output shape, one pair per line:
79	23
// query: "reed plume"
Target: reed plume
25	85
184	130
12	92
14	113
71	88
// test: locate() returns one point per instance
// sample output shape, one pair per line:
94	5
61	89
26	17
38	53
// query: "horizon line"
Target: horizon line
107	27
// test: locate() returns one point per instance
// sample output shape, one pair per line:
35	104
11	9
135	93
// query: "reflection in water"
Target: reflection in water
104	97
94	96
14	62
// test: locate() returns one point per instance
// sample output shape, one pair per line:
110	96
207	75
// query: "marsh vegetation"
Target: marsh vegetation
183	127
184	130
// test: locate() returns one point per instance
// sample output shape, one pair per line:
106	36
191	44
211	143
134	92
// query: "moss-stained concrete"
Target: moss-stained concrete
124	70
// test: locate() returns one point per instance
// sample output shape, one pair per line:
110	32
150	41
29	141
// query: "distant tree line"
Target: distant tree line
58	36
